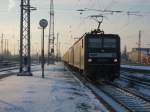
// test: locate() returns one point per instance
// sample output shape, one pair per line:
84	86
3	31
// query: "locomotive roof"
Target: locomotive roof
88	34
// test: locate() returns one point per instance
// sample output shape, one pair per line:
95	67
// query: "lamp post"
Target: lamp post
43	23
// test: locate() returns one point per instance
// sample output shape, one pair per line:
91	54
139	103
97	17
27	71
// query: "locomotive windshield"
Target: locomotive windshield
102	47
95	43
109	43
102	42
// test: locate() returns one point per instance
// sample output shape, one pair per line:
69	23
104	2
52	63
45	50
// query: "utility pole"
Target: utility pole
57	44
5	49
139	47
18	46
7	45
2	44
25	58
51	37
14	45
125	53
59	53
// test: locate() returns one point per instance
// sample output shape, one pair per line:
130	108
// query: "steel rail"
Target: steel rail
125	76
134	88
129	99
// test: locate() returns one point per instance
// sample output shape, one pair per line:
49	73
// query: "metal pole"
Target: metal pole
6	47
57	46
51	35
18	45
43	53
139	47
59	54
2	44
29	49
5	42
21	39
13	37
43	23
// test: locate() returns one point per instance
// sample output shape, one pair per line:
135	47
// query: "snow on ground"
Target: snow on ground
59	91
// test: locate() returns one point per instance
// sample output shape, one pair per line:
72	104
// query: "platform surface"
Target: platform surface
59	91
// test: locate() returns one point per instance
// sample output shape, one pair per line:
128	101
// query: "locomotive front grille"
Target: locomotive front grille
102	55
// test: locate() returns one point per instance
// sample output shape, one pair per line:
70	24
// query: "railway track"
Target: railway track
5	72
117	98
100	95
127	98
8	69
136	86
137	76
135	81
139	90
125	75
3	64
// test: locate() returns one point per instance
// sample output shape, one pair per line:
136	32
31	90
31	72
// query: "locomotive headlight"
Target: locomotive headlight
89	60
115	60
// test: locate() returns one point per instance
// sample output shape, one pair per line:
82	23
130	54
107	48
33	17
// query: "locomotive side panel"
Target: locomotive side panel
82	42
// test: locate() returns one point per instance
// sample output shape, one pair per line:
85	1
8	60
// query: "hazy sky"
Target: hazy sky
70	23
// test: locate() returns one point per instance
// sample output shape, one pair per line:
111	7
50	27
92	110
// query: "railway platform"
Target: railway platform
59	91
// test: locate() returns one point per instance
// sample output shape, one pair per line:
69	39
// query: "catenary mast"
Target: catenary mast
51	35
25	58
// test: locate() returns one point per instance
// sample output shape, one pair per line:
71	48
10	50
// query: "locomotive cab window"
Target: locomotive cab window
95	43
110	43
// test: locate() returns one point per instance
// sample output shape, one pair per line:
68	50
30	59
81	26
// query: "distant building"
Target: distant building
144	57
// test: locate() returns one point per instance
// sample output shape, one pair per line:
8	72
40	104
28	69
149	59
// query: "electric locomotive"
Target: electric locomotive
96	55
102	56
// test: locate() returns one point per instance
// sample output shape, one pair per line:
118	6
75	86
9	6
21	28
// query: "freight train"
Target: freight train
96	55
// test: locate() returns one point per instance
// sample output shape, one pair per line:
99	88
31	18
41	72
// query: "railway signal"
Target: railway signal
43	23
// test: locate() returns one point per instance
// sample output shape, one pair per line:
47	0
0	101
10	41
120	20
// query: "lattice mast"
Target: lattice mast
25	59
139	47
51	35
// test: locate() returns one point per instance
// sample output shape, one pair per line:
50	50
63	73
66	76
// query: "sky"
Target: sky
70	23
